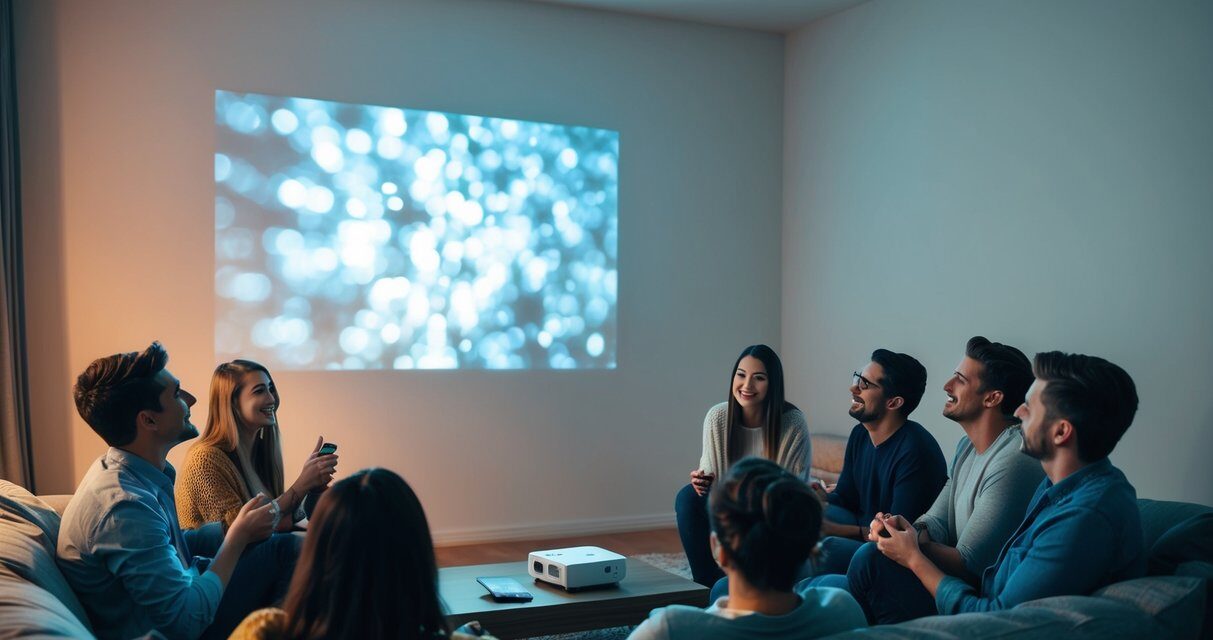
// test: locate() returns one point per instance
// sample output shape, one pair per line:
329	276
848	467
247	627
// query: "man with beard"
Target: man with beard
1082	529
891	465
990	484
119	544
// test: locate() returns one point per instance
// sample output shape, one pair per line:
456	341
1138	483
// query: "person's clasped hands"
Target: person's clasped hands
895	537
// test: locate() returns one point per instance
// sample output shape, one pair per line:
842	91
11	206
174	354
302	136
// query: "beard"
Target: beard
188	432
1036	445
863	415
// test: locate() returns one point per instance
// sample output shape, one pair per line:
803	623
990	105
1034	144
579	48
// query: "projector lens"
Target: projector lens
538	567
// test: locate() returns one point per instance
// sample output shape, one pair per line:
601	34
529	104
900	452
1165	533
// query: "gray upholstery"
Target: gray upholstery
1170	604
1174	602
28	611
1050	618
29	529
1159	517
1204	571
1188	540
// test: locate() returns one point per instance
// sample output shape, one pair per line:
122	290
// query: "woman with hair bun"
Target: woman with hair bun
765	524
755	420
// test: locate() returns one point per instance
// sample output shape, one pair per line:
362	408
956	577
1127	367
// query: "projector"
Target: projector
577	567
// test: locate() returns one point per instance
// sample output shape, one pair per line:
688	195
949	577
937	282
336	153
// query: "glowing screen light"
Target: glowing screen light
364	237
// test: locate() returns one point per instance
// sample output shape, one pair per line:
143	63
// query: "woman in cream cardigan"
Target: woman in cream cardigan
240	454
754	421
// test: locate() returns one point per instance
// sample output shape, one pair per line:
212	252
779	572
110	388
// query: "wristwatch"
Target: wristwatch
275	512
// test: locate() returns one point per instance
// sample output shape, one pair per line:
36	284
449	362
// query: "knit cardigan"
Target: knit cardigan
209	488
792	454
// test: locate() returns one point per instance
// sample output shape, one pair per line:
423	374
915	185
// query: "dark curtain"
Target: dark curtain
16	456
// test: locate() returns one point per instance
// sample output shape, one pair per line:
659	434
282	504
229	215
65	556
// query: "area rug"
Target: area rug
675	563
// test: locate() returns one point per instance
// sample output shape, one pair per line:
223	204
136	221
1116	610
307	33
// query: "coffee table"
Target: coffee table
555	610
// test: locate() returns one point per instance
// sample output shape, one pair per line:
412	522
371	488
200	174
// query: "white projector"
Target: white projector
577	567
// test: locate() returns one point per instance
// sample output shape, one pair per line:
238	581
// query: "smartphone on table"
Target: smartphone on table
505	589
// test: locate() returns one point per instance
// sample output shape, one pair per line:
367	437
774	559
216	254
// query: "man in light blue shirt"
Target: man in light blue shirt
1082	530
120	546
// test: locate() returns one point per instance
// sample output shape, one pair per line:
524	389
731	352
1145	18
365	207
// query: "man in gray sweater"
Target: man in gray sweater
990	484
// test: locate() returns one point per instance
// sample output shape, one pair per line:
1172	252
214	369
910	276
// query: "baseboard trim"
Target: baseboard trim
558	529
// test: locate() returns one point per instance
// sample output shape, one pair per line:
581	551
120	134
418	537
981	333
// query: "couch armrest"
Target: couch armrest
57	501
828	452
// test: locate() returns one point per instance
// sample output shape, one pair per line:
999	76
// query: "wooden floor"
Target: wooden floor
628	544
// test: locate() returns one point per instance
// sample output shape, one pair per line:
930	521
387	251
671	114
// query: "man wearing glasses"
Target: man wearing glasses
891	465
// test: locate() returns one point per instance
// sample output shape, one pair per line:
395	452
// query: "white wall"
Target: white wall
1034	171
117	102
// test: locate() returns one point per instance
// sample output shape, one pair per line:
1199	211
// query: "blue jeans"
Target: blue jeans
691	510
834	580
261	578
835	553
887	592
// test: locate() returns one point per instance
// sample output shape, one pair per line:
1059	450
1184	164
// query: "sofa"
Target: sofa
35	599
1173	602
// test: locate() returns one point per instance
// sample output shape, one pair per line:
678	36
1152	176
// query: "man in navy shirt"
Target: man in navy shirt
892	464
1082	530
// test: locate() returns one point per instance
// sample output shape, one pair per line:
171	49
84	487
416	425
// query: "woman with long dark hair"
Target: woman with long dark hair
765	523
367	569
755	420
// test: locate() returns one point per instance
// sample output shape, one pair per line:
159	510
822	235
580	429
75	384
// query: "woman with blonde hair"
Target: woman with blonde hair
240	454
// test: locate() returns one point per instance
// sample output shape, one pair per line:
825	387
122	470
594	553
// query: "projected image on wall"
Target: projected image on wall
366	237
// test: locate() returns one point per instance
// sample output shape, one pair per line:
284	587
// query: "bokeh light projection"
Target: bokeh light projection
363	237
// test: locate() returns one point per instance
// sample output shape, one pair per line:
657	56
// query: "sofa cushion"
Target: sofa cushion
28	534
1159	516
56	501
1174	602
1048	619
1204	571
15	500
1189	540
1014	623
1095	617
27	610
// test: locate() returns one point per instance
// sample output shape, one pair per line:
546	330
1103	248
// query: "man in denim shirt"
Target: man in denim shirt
1082	530
120	546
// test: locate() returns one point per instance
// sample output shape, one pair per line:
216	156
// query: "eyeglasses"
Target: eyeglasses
863	383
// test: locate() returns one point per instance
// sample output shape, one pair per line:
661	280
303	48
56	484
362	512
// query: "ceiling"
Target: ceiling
776	16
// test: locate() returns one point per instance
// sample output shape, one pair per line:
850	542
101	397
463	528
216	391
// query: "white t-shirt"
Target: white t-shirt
747	441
